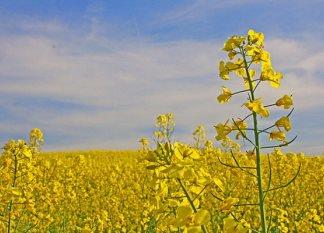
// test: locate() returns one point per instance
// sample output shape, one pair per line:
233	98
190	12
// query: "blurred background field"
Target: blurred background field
112	191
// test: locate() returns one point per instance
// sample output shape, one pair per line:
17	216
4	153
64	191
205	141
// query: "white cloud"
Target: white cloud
125	85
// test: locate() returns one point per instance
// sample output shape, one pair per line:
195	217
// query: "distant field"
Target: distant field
112	191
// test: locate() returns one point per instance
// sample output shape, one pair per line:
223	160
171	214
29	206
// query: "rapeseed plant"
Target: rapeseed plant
247	54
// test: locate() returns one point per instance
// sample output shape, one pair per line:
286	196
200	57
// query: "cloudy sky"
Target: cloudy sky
95	74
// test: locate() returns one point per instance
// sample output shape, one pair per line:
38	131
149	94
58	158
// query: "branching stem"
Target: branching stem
257	150
203	227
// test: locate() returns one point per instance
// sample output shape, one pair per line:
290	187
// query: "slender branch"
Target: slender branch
247	204
291	111
265	130
269	105
187	195
246	167
280	145
259	131
288	183
226	164
232	166
247	117
243	135
200	192
251	62
257	85
203	227
218	198
237	92
235	218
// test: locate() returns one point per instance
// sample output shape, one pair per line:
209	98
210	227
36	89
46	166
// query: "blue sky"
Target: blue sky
95	74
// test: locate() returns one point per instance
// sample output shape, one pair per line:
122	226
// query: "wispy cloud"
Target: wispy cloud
198	9
114	89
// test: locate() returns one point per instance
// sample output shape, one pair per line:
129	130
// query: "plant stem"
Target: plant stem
257	150
203	227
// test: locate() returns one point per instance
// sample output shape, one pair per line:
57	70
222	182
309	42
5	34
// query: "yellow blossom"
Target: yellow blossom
222	131
233	43
37	134
144	141
277	135
257	107
256	37
272	76
225	96
223	71
285	101
283	122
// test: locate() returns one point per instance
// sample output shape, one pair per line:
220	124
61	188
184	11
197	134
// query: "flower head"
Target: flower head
257	107
233	43
277	135
222	131
256	38
283	122
225	96
285	101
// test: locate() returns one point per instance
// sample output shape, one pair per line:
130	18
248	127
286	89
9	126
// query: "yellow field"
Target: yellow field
169	186
112	191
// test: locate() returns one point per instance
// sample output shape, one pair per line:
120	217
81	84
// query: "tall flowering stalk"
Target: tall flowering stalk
247	55
179	182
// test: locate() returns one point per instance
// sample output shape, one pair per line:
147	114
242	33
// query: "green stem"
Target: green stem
203	227
257	149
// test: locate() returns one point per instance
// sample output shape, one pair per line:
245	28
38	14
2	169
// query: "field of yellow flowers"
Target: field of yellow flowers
116	191
172	186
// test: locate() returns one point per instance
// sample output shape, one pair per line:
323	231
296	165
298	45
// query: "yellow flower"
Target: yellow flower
231	54
278	152
225	96
285	101
284	122
277	135
219	183
256	38
37	133
144	141
161	120
272	76
165	119
257	107
223	71
36	136
190	221
233	43
222	131
184	215
183	151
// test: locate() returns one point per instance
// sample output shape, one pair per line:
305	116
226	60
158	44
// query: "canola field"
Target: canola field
171	186
117	191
